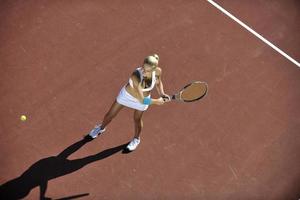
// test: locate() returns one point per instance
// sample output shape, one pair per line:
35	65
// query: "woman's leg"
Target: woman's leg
113	111
138	123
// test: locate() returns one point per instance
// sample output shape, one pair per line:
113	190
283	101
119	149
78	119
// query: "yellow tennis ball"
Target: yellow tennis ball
23	118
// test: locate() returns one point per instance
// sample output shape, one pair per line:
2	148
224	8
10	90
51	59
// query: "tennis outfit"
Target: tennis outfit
126	99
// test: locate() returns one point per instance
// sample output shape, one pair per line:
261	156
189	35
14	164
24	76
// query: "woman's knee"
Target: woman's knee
138	121
137	117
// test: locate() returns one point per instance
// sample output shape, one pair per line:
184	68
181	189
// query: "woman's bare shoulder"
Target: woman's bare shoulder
158	71
136	76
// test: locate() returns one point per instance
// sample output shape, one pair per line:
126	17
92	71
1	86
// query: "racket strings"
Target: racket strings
194	91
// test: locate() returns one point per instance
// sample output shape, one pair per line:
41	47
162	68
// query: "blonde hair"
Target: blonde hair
152	60
156	56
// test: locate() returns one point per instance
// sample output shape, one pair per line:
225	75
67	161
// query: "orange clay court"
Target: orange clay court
62	64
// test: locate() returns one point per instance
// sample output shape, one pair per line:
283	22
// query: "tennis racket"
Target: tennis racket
191	92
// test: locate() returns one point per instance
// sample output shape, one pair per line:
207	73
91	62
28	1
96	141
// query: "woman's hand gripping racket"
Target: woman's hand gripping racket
191	92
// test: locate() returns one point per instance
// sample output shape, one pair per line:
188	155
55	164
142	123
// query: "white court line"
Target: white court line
254	33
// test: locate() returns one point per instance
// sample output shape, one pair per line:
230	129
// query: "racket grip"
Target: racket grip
172	97
165	98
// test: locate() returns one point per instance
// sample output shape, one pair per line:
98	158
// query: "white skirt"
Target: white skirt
128	100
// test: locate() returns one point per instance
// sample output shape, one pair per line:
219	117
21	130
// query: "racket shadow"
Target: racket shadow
45	169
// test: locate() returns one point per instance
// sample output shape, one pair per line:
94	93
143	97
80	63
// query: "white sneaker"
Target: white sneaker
96	131
133	144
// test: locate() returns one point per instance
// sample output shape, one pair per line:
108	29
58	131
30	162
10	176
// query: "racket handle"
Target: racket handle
172	97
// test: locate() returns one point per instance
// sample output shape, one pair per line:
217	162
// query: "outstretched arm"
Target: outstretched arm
160	86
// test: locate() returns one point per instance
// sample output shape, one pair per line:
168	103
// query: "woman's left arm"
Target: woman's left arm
159	84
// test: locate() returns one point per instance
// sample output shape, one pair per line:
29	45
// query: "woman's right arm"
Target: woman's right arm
138	88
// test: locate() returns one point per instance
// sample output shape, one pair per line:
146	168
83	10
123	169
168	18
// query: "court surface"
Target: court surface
63	63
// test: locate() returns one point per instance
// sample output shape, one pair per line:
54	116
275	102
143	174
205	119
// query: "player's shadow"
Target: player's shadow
38	174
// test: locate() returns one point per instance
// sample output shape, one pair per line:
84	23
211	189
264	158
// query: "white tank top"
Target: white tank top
141	76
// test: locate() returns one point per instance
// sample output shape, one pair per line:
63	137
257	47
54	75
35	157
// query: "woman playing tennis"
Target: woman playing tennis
136	95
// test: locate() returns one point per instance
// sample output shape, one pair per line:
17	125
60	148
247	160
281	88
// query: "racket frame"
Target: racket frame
177	96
